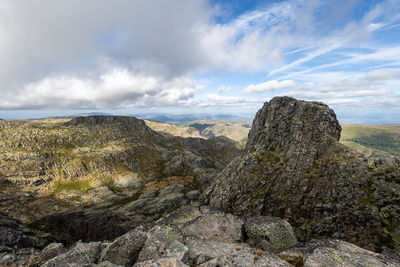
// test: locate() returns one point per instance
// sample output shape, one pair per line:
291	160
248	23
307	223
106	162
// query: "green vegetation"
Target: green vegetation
373	140
72	185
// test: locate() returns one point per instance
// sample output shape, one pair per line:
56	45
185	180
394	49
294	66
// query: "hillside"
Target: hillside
380	140
98	161
373	140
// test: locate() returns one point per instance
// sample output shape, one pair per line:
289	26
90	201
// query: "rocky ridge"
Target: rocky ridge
294	167
99	162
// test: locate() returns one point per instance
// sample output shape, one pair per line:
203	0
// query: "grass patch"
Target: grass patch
72	185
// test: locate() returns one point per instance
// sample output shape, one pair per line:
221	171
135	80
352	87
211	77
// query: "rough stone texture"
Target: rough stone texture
215	226
164	262
203	250
158	242
277	232
86	225
181	216
52	250
79	254
293	167
13	233
125	249
247	258
294	256
339	253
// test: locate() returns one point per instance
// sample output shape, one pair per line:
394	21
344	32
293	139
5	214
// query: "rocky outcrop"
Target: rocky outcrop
293	167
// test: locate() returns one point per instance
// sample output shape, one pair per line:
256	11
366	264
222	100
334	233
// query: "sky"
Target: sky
62	57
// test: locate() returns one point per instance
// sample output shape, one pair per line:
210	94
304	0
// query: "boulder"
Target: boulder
125	249
247	258
158	242
164	262
52	250
277	233
339	253
80	254
215	226
203	250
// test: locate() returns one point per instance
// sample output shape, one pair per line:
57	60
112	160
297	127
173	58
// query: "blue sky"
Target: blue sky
197	56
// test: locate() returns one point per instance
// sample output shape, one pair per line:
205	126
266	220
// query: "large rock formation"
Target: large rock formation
294	167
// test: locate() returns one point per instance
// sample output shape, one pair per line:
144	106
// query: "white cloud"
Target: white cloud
223	89
117	88
218	101
382	75
272	85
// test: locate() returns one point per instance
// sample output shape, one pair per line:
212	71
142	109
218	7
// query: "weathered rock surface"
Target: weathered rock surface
79	255
277	233
293	167
339	253
51	251
125	249
14	234
86	225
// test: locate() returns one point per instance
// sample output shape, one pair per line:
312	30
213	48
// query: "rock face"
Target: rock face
293	167
14	234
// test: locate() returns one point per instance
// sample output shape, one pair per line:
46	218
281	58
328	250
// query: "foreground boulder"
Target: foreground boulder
294	167
274	232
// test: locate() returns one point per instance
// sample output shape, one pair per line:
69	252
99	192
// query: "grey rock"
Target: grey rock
52	250
181	216
171	189
339	253
164	262
203	250
158	241
277	232
193	195
125	249
215	226
247	258
79	255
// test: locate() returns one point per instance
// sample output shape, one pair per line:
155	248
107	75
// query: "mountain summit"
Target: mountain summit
295	168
